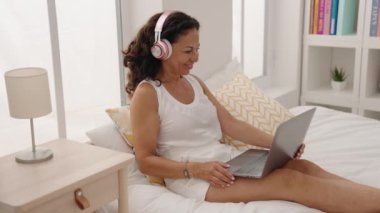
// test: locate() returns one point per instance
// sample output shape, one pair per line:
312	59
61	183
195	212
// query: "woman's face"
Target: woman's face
184	55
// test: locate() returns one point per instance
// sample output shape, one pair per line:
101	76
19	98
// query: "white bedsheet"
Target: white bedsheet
345	144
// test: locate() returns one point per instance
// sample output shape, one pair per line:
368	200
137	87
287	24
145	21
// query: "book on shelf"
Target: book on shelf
334	16
315	16
311	19
347	15
374	18
378	21
321	16
326	25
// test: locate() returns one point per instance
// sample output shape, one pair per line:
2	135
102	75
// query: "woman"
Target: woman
185	122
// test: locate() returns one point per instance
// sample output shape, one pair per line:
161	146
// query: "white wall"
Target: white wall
135	13
215	31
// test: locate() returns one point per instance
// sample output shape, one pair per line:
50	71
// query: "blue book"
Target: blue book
374	15
334	16
347	17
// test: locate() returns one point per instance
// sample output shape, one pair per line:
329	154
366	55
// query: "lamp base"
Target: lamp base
41	154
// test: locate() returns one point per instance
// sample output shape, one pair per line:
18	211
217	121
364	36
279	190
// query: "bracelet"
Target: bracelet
186	171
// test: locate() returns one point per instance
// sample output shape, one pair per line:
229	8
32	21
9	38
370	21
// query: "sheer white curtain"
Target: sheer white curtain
89	57
24	42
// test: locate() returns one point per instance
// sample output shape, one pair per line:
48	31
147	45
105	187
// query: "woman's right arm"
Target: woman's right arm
146	126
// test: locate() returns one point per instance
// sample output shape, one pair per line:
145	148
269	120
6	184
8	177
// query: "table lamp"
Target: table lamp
28	98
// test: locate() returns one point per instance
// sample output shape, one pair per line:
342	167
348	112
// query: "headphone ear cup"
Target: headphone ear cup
157	50
168	49
161	49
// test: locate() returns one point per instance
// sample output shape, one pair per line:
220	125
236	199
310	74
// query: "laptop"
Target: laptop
288	137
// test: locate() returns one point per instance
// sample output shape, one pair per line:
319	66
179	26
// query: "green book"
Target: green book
347	17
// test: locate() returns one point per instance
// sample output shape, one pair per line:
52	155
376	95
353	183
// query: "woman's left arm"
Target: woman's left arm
235	128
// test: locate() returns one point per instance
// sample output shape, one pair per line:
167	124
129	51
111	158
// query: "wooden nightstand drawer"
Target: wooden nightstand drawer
103	190
48	187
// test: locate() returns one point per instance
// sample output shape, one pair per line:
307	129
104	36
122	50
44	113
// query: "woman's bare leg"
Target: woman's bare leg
286	184
310	168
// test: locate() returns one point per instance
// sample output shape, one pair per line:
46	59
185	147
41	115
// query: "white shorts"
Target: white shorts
190	188
195	188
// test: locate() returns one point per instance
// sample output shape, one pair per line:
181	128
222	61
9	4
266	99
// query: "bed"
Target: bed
343	143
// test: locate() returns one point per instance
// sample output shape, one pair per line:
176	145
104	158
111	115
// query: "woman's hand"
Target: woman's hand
299	151
214	172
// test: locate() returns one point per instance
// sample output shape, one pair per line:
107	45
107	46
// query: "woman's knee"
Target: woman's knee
289	177
303	166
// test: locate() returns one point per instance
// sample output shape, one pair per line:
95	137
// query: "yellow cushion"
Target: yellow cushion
121	117
248	103
156	180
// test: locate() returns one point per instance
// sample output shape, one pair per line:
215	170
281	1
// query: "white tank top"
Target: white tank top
189	132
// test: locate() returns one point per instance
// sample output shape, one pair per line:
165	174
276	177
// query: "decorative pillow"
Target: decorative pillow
248	103
121	117
108	136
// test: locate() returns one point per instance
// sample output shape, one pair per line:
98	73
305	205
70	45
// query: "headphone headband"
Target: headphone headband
159	25
161	49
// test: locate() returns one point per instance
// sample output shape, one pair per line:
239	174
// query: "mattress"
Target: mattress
343	143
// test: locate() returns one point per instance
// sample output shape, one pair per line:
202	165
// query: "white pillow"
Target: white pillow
108	136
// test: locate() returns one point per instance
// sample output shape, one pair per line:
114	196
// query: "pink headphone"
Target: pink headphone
161	49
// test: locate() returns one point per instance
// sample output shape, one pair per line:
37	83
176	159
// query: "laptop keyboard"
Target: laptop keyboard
254	165
249	164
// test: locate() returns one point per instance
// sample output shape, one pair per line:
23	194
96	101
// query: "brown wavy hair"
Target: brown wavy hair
138	58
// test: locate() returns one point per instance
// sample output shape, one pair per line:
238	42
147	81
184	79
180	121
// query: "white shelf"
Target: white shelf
371	103
372	43
358	54
326	95
332	40
370	114
375	96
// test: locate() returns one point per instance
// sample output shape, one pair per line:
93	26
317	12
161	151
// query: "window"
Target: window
89	65
248	36
24	42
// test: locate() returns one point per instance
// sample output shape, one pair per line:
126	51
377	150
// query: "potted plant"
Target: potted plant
338	79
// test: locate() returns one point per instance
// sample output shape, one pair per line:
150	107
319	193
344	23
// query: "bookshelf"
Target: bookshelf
357	53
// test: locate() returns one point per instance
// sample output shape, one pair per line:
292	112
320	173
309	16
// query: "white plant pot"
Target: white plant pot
338	85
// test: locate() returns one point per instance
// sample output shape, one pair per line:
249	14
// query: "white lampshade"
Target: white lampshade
28	92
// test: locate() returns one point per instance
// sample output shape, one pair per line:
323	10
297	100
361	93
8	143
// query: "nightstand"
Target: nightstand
97	175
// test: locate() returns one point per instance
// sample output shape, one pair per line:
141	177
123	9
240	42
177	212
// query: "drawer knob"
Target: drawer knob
81	200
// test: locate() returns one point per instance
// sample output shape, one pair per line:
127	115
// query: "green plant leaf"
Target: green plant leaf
338	74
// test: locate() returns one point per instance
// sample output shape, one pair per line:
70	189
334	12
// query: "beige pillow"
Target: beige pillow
121	117
248	103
